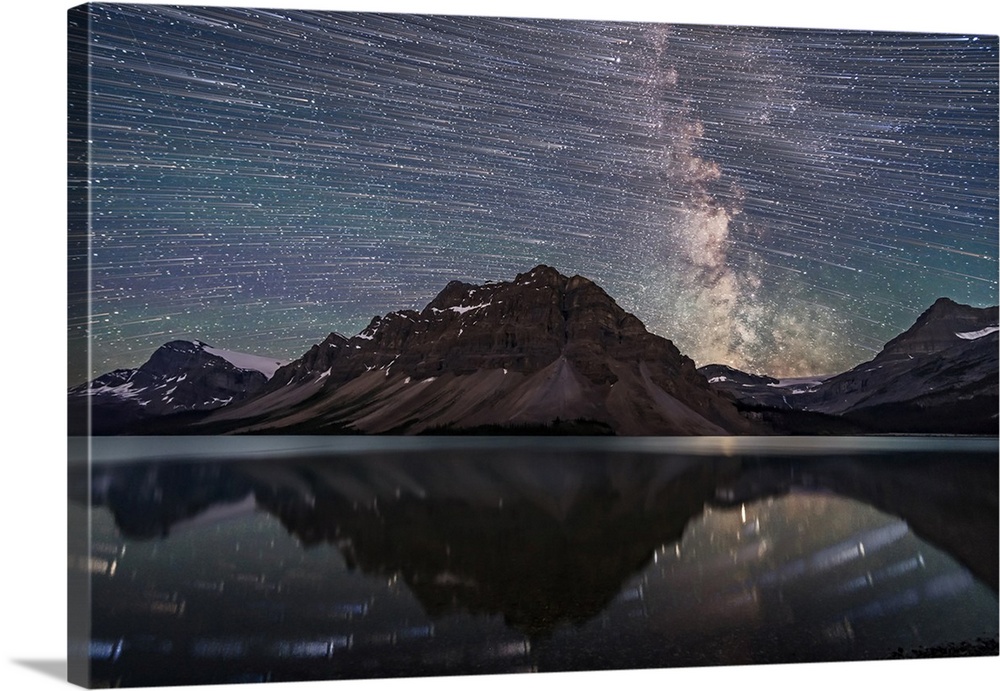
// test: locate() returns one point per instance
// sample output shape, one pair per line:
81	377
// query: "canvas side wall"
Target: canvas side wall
78	319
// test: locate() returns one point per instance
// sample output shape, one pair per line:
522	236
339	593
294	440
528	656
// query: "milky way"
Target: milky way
784	201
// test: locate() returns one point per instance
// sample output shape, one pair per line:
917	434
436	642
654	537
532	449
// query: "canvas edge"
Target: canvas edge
78	336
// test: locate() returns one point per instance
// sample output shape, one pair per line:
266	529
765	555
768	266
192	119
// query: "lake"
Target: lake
234	559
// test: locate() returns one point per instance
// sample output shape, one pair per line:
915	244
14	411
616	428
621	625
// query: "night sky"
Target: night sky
783	201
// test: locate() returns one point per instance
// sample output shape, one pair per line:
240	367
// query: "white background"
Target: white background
32	251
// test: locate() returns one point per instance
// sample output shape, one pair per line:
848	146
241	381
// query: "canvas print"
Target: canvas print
410	345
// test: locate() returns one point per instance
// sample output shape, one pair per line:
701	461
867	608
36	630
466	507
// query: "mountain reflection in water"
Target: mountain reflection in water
309	559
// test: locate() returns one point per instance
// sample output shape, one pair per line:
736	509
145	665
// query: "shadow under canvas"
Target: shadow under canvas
50	668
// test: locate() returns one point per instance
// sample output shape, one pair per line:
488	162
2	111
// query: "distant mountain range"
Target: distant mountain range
939	376
544	354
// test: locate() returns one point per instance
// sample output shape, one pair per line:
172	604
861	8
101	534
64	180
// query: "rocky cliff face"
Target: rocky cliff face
541	350
180	376
940	328
521	326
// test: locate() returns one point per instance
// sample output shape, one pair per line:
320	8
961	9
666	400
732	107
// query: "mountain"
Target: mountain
938	376
943	326
544	354
540	353
718	374
759	389
181	376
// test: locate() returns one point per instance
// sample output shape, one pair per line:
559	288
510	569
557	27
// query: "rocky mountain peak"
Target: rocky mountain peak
540	348
174	356
179	376
453	294
541	275
942	326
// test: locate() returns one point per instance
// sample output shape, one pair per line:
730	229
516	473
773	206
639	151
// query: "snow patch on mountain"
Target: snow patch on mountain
121	391
812	381
265	366
973	335
463	310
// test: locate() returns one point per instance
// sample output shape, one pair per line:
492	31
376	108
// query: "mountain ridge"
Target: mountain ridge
180	376
938	376
529	352
544	353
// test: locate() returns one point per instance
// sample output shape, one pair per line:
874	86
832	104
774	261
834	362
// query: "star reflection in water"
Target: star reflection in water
320	564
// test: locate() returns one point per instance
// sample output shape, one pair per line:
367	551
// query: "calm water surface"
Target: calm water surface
295	558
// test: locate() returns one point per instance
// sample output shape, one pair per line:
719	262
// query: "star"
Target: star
783	201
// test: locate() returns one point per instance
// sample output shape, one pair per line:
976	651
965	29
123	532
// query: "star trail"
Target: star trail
783	201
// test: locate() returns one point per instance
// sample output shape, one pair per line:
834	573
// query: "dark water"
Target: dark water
277	559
